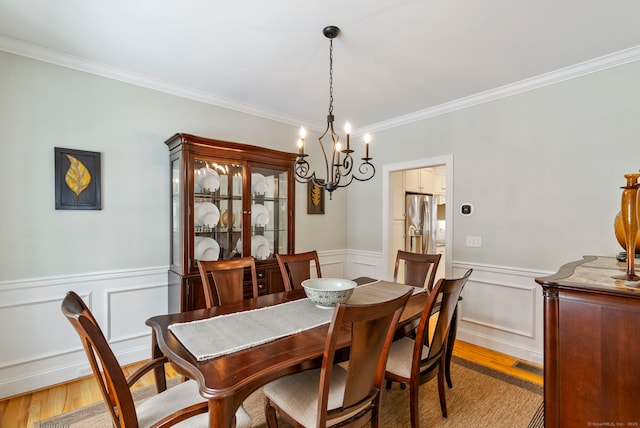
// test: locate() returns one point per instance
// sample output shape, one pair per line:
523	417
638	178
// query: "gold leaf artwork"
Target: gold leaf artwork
316	193
77	177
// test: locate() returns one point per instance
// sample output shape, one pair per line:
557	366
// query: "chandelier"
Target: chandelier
338	162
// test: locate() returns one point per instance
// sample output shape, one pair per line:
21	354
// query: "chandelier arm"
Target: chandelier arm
309	179
347	164
301	169
365	169
338	184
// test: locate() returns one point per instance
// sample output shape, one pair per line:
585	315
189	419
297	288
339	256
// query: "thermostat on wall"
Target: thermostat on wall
466	209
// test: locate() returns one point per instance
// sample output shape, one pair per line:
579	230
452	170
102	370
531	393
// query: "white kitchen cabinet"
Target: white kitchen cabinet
419	180
439	184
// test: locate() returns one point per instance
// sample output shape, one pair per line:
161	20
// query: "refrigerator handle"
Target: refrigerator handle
426	226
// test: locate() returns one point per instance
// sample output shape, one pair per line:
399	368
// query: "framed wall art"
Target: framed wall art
77	179
315	199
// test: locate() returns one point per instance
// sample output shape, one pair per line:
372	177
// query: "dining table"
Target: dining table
227	373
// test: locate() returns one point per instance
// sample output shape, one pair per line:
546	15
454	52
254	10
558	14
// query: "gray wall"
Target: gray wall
543	170
43	106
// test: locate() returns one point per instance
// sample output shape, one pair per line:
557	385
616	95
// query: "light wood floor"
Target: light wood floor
23	410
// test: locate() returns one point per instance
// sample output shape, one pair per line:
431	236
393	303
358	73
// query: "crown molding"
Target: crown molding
100	69
81	64
574	71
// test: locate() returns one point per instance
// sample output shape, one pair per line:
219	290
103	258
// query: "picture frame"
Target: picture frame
77	179
315	199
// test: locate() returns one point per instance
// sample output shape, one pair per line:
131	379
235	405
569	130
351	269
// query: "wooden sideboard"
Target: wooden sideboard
591	345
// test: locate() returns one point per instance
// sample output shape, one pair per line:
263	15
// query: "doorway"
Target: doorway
430	176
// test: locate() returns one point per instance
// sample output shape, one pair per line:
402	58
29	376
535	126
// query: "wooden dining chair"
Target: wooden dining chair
223	280
419	269
181	405
339	394
295	268
416	361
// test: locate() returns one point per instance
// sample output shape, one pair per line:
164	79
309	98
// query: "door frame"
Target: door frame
447	161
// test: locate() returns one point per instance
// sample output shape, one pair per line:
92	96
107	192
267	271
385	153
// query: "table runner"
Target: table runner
213	337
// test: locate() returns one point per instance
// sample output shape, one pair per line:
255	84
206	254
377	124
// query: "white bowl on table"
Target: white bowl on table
326	293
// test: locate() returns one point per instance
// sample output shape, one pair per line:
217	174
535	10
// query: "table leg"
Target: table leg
158	373
221	413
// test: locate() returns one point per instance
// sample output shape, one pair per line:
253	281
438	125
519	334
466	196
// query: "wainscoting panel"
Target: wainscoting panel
502	310
38	346
139	304
514	299
332	263
364	263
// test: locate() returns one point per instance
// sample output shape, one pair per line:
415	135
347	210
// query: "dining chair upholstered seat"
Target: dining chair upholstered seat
223	280
419	269
176	398
416	361
296	268
181	404
340	393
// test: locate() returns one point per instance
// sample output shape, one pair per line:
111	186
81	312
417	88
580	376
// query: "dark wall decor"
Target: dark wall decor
77	179
315	199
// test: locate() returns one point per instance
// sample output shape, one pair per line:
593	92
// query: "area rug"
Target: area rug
480	397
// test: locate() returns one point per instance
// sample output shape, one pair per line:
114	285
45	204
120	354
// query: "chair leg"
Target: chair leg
451	340
413	403
375	412
441	392
270	414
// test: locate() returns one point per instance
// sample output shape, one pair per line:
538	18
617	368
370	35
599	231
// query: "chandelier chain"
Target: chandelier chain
330	76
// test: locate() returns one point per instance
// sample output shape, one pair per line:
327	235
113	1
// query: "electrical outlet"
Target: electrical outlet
84	371
474	241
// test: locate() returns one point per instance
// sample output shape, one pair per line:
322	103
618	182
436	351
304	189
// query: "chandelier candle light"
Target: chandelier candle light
339	172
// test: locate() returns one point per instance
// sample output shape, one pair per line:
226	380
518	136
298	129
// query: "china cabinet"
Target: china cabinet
228	200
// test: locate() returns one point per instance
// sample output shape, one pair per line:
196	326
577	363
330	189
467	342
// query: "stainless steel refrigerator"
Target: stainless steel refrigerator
421	216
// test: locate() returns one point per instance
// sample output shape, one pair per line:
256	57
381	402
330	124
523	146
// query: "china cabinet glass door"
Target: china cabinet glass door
217	210
269	210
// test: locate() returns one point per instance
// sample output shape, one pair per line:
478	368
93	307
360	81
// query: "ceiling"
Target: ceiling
393	59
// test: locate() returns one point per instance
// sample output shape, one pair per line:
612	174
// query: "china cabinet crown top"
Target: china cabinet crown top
227	149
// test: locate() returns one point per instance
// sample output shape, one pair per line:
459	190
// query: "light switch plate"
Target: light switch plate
474	241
